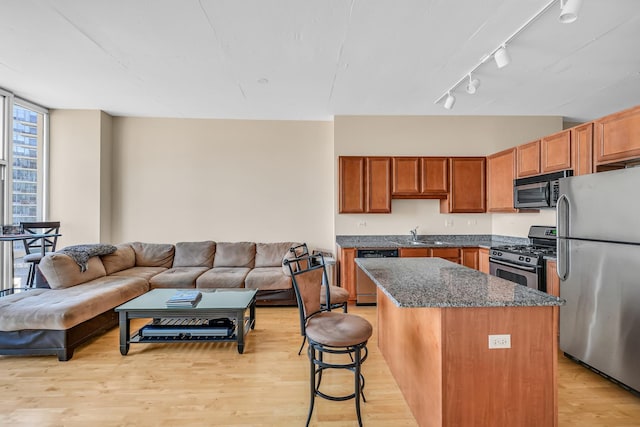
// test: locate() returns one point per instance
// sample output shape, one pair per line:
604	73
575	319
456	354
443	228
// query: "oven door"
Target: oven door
521	274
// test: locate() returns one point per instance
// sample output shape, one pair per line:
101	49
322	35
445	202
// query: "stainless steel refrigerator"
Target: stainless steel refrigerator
598	225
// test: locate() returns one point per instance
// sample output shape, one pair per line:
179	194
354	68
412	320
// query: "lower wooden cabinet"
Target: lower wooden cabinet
483	260
470	257
553	281
347	269
414	252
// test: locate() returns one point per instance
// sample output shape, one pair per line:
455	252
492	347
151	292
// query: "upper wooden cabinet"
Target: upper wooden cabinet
617	137
467	186
555	152
420	177
501	171
582	142
528	158
365	184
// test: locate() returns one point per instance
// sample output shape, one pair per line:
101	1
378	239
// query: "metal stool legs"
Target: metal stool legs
318	365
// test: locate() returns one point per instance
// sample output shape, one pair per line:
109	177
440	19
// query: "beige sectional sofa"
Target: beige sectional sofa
80	305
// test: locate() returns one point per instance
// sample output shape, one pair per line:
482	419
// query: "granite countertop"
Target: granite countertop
435	282
427	241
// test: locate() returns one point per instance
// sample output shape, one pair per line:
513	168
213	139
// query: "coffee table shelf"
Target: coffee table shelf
185	324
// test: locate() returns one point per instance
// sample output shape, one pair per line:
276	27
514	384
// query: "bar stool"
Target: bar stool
328	332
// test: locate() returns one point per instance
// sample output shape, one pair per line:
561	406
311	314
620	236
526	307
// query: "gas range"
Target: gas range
524	264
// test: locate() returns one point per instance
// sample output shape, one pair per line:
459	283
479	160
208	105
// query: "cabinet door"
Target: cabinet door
528	159
435	176
406	176
582	139
450	254
415	252
483	260
348	271
555	152
553	281
470	258
467	186
351	187
617	137
501	171
378	175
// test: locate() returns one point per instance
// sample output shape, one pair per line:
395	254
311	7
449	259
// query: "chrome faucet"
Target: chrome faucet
414	234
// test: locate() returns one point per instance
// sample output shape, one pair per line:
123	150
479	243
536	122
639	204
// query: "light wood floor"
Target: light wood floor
211	384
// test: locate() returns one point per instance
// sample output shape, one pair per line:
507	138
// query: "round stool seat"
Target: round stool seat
337	295
36	257
338	329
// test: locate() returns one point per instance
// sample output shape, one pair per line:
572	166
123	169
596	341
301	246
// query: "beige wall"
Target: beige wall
76	175
226	180
435	136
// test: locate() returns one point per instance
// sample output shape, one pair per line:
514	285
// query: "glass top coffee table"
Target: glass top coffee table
219	316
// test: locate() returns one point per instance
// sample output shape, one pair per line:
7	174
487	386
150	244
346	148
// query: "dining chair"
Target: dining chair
37	247
329	333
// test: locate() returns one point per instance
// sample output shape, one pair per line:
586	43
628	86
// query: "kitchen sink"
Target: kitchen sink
422	242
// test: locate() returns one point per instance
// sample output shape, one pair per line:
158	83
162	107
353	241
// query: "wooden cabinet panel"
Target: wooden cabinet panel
351	177
617	136
469	257
582	140
528	156
415	252
555	152
553	281
467	186
406	176
365	184
501	171
483	260
378	190
347	257
420	177
450	254
435	176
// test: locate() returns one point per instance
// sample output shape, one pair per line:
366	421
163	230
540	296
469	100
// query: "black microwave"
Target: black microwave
541	191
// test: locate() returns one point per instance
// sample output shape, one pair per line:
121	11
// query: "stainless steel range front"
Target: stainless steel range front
525	264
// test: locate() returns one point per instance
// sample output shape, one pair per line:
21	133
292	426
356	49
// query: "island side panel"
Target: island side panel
515	386
410	341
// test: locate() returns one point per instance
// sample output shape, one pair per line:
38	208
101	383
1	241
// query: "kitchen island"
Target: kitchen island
436	323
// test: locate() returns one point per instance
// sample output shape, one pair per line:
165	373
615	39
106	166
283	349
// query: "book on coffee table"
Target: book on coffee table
184	299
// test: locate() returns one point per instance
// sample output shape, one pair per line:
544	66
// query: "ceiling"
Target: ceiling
312	60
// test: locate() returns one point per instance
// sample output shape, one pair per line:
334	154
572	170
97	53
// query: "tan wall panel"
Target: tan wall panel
233	180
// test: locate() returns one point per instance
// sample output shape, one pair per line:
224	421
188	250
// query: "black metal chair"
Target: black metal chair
37	247
328	332
339	297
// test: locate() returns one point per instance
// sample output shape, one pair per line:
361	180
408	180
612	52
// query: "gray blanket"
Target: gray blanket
81	253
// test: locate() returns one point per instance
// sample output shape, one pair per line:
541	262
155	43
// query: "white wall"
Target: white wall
435	136
224	180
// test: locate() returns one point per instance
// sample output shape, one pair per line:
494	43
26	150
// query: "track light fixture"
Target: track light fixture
569	10
450	101
568	13
473	85
502	57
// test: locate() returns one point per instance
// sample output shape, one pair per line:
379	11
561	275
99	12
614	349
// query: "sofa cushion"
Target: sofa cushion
267	278
61	271
124	257
223	277
194	254
58	309
271	254
235	254
177	277
145	273
153	254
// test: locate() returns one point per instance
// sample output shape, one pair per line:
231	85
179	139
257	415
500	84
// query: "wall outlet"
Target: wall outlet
472	222
499	341
362	224
448	223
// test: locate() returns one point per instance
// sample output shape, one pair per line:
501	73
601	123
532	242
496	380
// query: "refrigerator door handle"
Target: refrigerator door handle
562	222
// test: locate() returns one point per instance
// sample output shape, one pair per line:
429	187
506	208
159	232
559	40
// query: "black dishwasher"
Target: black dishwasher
366	292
